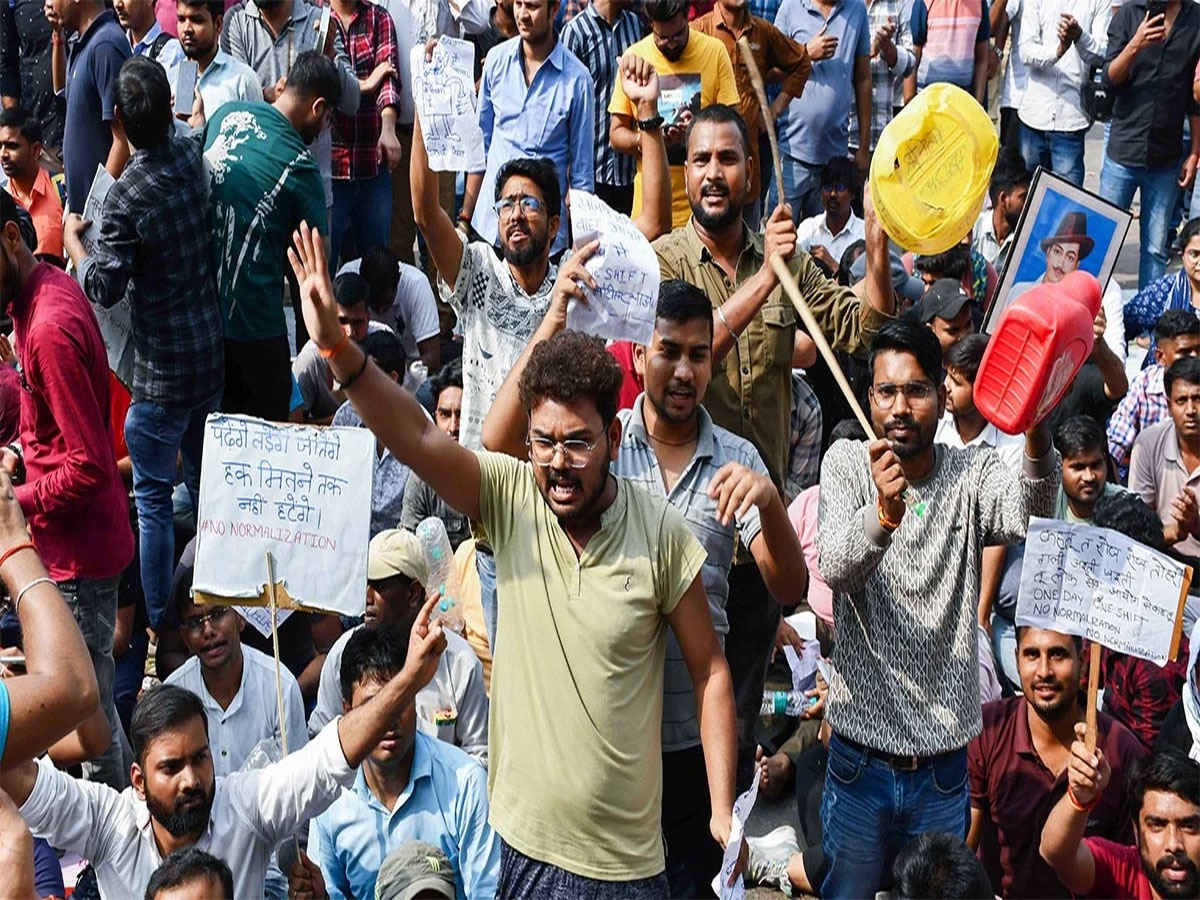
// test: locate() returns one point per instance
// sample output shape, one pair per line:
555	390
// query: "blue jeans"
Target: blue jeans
870	811
1060	152
1159	189
801	188
485	565
1004	646
365	206
156	436
93	603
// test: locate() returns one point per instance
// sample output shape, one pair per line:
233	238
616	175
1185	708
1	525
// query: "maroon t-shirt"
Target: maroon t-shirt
1016	792
1118	871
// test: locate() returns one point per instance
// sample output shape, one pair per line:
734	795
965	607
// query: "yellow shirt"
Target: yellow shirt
701	77
575	758
471	601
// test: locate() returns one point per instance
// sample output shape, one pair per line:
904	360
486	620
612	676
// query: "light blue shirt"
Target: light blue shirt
814	129
445	803
227	79
168	57
637	462
553	117
3	718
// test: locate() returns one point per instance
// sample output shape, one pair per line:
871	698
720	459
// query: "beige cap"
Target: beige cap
396	552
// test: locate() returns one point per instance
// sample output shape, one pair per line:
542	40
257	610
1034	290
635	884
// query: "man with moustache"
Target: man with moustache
536	100
176	801
1164	861
992	235
902	523
671	449
1018	765
221	77
594	571
412	787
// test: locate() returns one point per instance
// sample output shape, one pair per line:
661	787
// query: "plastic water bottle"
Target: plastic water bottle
442	579
786	703
1039	345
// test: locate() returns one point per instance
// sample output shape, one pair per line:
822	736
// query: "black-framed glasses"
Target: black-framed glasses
884	395
531	206
542	451
195	624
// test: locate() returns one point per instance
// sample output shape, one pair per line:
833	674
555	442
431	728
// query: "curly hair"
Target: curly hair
569	367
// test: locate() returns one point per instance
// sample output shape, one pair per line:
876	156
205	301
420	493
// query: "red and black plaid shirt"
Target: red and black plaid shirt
1139	694
370	40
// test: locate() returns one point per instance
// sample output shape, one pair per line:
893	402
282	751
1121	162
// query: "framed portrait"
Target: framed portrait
1062	228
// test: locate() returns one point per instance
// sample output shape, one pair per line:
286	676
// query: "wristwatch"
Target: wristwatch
652	124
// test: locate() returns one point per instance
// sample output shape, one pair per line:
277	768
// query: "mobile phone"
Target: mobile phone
1156	8
323	28
185	87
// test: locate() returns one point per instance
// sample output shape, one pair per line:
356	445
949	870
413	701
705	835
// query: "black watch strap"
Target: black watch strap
652	124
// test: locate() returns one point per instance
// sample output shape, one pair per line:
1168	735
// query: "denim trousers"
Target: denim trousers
1159	188
801	188
870	811
1060	152
156	437
365	205
93	603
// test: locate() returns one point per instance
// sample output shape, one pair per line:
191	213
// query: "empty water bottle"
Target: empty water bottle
442	579
785	703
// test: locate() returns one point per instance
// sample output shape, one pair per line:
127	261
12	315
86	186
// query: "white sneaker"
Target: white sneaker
769	857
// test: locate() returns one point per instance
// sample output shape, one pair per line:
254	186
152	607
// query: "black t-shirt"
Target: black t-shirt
1085	398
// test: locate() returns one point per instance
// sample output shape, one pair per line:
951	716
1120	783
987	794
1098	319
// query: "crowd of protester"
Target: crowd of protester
640	531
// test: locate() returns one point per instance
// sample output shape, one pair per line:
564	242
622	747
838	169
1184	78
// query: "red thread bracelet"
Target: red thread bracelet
1074	801
28	545
334	351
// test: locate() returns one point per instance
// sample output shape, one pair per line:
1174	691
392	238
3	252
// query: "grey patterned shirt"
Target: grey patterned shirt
638	463
905	676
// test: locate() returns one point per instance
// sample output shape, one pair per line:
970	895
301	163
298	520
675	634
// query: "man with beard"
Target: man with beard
263	183
593	572
694	72
1018	765
993	231
70	490
396	574
671	449
31	183
236	686
1167	455
536	100
412	787
222	78
902	524
753	341
1162	864
175	801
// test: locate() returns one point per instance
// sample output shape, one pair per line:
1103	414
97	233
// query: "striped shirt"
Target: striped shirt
948	30
638	463
598	46
885	80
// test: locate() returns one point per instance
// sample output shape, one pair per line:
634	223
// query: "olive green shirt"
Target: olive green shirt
752	395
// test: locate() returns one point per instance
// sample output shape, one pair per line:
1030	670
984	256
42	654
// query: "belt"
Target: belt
897	761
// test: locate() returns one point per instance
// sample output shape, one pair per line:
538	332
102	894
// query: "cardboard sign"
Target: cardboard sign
626	270
444	92
299	492
1101	585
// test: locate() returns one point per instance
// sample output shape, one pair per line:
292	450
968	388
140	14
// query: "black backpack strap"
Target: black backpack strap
157	46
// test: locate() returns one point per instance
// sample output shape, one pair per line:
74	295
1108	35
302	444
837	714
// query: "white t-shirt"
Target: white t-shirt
414	307
813	232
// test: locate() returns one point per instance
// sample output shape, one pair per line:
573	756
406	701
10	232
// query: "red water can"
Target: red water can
1039	345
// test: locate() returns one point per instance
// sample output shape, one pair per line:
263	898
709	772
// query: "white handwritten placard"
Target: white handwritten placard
1101	585
301	493
444	91
626	270
116	327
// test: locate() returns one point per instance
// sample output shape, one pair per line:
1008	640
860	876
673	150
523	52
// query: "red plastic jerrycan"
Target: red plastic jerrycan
1039	345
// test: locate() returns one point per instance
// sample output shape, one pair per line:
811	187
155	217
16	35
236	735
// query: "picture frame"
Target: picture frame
1089	232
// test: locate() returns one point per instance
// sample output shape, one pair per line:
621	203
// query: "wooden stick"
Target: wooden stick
283	741
761	91
792	289
1095	652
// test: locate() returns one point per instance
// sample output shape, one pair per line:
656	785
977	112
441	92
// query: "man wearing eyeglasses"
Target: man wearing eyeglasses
902	525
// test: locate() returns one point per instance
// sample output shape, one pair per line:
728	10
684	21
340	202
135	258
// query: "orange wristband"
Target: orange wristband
1074	801
334	351
28	545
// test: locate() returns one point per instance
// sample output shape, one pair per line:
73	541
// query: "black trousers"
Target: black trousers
258	378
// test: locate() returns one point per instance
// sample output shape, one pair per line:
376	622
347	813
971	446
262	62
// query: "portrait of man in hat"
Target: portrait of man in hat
1064	250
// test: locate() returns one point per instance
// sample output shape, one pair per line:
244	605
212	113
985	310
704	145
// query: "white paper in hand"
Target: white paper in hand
626	270
742	808
444	92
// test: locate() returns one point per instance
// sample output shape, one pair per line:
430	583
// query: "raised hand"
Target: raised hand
307	256
889	479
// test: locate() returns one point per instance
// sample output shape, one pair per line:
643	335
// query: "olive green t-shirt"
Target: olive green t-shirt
575	759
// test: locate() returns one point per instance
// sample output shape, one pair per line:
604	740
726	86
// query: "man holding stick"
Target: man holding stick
903	522
754	332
